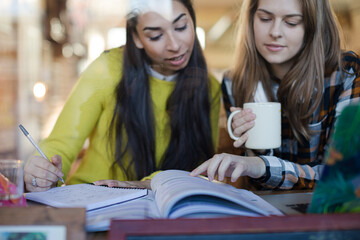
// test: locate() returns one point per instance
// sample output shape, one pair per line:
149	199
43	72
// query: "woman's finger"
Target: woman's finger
224	167
241	140
201	169
232	109
109	183
42	168
57	162
243	128
214	165
34	184
238	171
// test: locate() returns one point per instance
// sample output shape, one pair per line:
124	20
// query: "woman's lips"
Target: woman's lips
274	47
179	60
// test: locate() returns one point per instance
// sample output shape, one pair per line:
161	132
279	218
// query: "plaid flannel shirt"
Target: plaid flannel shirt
295	165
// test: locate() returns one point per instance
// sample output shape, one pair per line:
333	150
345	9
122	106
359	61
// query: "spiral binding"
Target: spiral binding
115	187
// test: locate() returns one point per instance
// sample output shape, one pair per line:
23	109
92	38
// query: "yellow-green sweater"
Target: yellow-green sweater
88	113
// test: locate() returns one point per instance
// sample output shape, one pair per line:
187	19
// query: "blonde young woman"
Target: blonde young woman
288	51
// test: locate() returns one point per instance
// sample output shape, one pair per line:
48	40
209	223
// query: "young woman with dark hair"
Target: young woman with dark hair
162	115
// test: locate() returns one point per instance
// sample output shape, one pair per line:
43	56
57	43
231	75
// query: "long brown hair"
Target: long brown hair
300	91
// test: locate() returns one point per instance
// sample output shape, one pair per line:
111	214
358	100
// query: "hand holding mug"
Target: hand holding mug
264	132
242	121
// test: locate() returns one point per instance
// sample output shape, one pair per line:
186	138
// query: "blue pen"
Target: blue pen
36	146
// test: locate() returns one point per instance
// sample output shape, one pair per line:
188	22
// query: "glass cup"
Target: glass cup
12	183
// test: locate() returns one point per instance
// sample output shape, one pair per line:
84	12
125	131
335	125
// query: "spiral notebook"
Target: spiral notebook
85	195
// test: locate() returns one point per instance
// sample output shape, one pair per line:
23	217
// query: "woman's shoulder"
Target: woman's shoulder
348	75
112	59
214	86
106	68
226	78
214	81
226	82
113	54
351	62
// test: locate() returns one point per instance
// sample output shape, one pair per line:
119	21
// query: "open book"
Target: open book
176	194
84	195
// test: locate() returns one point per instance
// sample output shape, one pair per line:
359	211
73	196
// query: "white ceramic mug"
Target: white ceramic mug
266	133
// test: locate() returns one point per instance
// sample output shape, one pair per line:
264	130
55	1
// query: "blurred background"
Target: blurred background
46	44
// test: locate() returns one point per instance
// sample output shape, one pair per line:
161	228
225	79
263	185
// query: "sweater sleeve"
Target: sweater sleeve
80	113
215	109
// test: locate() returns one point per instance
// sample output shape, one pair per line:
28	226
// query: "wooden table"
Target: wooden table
74	220
309	226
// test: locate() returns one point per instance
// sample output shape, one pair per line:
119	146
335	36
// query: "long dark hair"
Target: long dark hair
188	108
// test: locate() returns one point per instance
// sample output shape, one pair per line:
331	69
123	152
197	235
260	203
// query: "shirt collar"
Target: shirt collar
160	76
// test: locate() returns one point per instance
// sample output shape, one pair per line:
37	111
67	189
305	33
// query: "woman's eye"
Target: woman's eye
292	24
155	38
181	28
263	19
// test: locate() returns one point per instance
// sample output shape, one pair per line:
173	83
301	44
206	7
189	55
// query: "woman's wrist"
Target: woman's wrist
258	167
264	173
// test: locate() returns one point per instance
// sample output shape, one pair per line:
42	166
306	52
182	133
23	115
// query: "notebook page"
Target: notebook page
85	195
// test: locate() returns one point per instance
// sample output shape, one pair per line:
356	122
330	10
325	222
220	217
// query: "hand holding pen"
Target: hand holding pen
40	173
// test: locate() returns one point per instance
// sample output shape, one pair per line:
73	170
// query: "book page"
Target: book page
173	185
85	195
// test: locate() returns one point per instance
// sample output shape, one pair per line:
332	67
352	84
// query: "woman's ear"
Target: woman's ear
137	40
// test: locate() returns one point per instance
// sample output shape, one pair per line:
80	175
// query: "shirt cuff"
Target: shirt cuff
266	175
150	176
273	171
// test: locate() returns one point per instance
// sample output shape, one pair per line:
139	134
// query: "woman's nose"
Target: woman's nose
173	44
276	31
